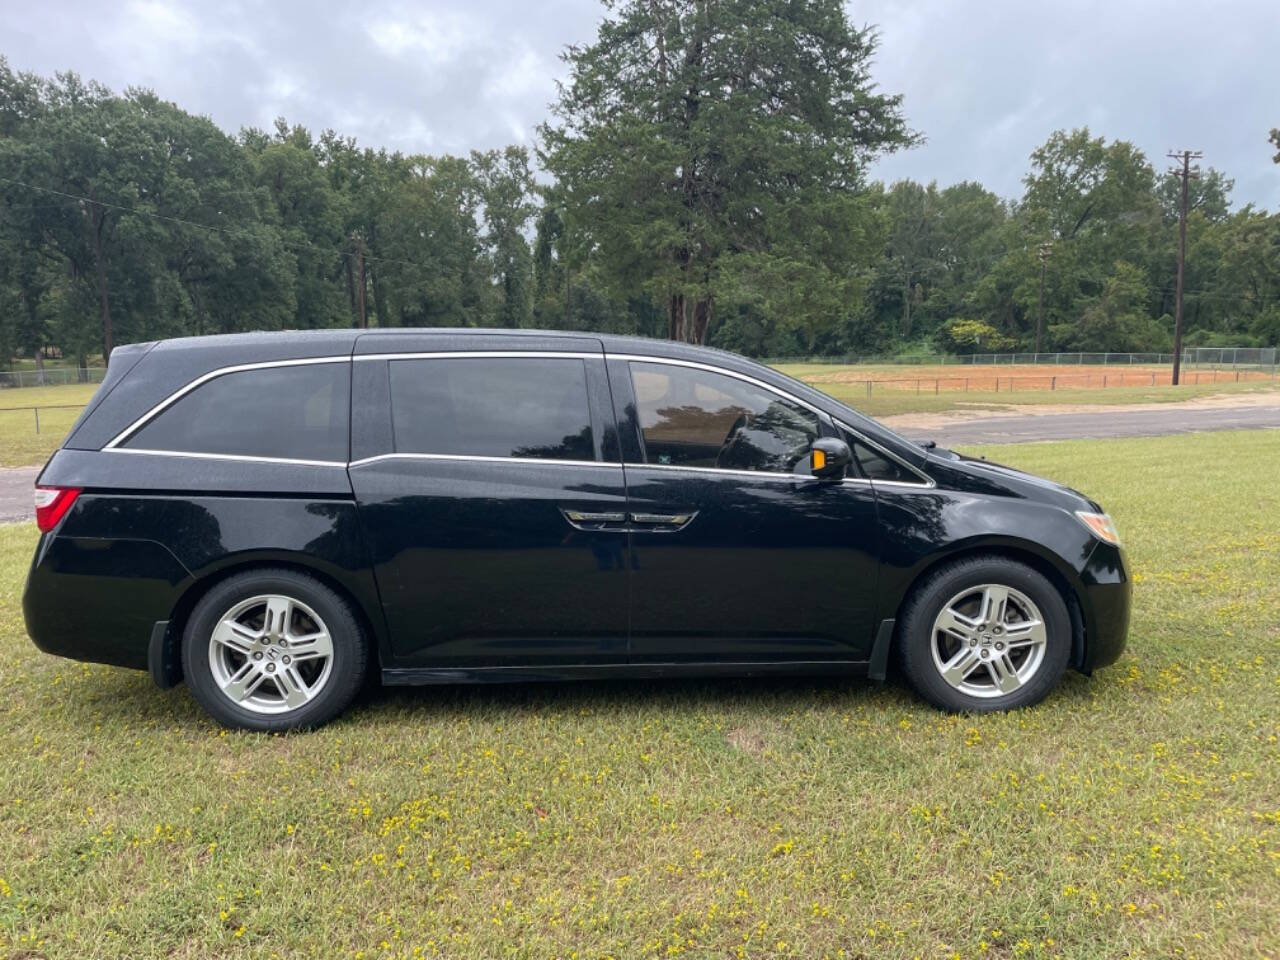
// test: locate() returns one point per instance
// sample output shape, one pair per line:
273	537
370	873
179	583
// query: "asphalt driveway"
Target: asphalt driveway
15	493
1112	422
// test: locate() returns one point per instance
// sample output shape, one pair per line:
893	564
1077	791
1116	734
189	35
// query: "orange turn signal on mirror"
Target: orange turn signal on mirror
1102	526
819	459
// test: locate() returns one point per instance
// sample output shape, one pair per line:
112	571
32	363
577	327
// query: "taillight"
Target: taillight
52	504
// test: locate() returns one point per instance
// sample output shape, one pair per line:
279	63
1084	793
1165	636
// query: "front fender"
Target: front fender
921	529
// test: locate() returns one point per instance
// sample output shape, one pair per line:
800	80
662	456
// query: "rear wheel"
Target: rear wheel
273	650
985	633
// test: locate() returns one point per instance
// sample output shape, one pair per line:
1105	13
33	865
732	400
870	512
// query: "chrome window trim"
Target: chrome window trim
480	354
114	444
720	471
181	392
234	457
766	475
466	457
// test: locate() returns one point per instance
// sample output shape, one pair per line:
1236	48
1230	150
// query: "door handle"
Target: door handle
616	520
663	519
587	520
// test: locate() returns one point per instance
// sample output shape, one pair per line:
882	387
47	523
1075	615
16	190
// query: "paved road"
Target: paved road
15	493
16	482
1111	423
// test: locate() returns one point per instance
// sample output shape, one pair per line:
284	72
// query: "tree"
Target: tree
970	336
914	242
714	151
311	217
1116	320
506	188
435	271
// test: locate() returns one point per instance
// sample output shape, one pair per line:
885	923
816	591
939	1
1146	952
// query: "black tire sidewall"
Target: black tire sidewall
926	603
349	652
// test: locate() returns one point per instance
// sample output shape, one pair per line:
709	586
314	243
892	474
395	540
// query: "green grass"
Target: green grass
1134	814
20	444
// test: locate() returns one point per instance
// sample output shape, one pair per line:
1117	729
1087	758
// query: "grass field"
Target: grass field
1134	814
20	444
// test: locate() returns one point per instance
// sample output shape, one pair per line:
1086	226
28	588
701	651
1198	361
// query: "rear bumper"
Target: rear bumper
98	600
1107	599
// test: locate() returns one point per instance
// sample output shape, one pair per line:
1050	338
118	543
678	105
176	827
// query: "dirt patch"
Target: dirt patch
1014	377
748	741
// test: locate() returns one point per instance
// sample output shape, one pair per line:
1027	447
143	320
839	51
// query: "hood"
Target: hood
996	478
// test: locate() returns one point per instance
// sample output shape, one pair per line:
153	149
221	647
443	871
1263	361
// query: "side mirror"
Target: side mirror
829	458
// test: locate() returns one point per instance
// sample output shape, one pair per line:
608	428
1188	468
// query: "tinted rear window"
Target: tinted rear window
294	413
492	407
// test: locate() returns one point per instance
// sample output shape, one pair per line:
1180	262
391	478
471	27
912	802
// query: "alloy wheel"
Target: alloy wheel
271	654
988	640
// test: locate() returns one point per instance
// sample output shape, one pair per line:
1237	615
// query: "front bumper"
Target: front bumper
1107	598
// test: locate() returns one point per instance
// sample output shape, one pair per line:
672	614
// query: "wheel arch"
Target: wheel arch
198	587
1026	553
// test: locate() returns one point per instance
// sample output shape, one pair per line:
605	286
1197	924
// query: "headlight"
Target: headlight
1100	525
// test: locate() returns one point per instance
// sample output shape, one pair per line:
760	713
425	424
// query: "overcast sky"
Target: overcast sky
985	81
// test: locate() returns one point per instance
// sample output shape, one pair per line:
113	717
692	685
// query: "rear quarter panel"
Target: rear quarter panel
135	543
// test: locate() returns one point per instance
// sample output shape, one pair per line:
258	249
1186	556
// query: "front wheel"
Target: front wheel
985	633
273	650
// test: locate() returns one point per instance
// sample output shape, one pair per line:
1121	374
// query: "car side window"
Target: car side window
696	418
874	465
534	407
298	412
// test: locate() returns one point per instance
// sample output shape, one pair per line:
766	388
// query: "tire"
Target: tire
955	662
255	655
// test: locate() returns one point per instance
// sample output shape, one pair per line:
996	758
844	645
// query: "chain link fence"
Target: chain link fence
51	376
1208	357
988	382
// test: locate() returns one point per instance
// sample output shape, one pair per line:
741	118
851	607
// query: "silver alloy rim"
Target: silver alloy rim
271	654
988	640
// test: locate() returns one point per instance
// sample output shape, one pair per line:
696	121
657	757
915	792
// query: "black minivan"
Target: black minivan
270	516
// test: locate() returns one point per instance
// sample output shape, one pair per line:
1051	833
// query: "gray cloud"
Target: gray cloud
984	81
988	81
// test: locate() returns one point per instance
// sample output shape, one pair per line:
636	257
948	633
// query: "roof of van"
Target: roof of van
336	339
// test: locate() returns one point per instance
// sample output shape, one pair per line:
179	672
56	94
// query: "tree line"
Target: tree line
704	177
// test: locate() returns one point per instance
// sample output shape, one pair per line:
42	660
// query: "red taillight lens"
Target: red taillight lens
52	504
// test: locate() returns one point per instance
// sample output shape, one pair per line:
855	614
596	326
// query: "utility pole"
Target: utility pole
1045	250
1187	173
358	240
568	297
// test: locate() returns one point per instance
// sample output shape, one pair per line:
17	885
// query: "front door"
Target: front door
738	553
492	499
